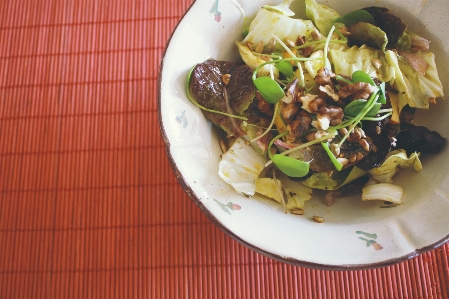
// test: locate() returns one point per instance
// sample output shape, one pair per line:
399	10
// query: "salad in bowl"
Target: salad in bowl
324	103
313	134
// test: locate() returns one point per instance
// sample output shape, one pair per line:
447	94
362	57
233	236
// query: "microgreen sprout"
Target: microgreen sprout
269	127
326	62
269	88
288	165
357	119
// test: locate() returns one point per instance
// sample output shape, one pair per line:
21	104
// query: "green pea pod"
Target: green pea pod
269	89
355	17
290	166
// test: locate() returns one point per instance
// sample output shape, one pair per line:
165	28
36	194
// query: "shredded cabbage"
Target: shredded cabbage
413	88
321	15
269	22
395	159
384	192
241	166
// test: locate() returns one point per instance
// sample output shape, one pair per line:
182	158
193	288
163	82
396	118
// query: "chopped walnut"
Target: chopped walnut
329	90
324	77
311	103
354	91
307	51
333	113
290	111
293	90
299	126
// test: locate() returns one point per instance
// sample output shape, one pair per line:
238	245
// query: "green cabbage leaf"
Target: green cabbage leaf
395	160
413	88
321	15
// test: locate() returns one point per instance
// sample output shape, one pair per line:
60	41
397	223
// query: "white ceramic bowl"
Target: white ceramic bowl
355	234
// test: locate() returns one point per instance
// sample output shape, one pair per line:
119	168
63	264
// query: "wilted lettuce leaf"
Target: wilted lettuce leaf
240	167
269	22
295	194
321	15
415	89
208	89
336	180
389	167
347	61
392	25
254	61
369	34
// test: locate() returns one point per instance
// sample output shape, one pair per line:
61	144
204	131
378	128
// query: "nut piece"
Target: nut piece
289	43
297	211
226	78
333	113
358	90
324	77
318	219
364	144
259	47
270	46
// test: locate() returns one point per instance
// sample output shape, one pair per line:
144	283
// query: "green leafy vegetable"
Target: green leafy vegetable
395	159
240	167
268	22
347	61
413	88
392	25
290	166
361	76
355	17
269	89
369	34
285	68
338	178
283	8
356	106
321	15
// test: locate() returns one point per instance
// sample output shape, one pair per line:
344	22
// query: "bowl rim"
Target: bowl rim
292	261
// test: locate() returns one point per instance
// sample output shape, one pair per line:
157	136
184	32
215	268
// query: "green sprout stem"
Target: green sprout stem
280	60
355	121
304	145
316	42
269	127
301	73
326	62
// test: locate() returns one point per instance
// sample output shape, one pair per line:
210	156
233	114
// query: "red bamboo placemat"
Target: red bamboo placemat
89	206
